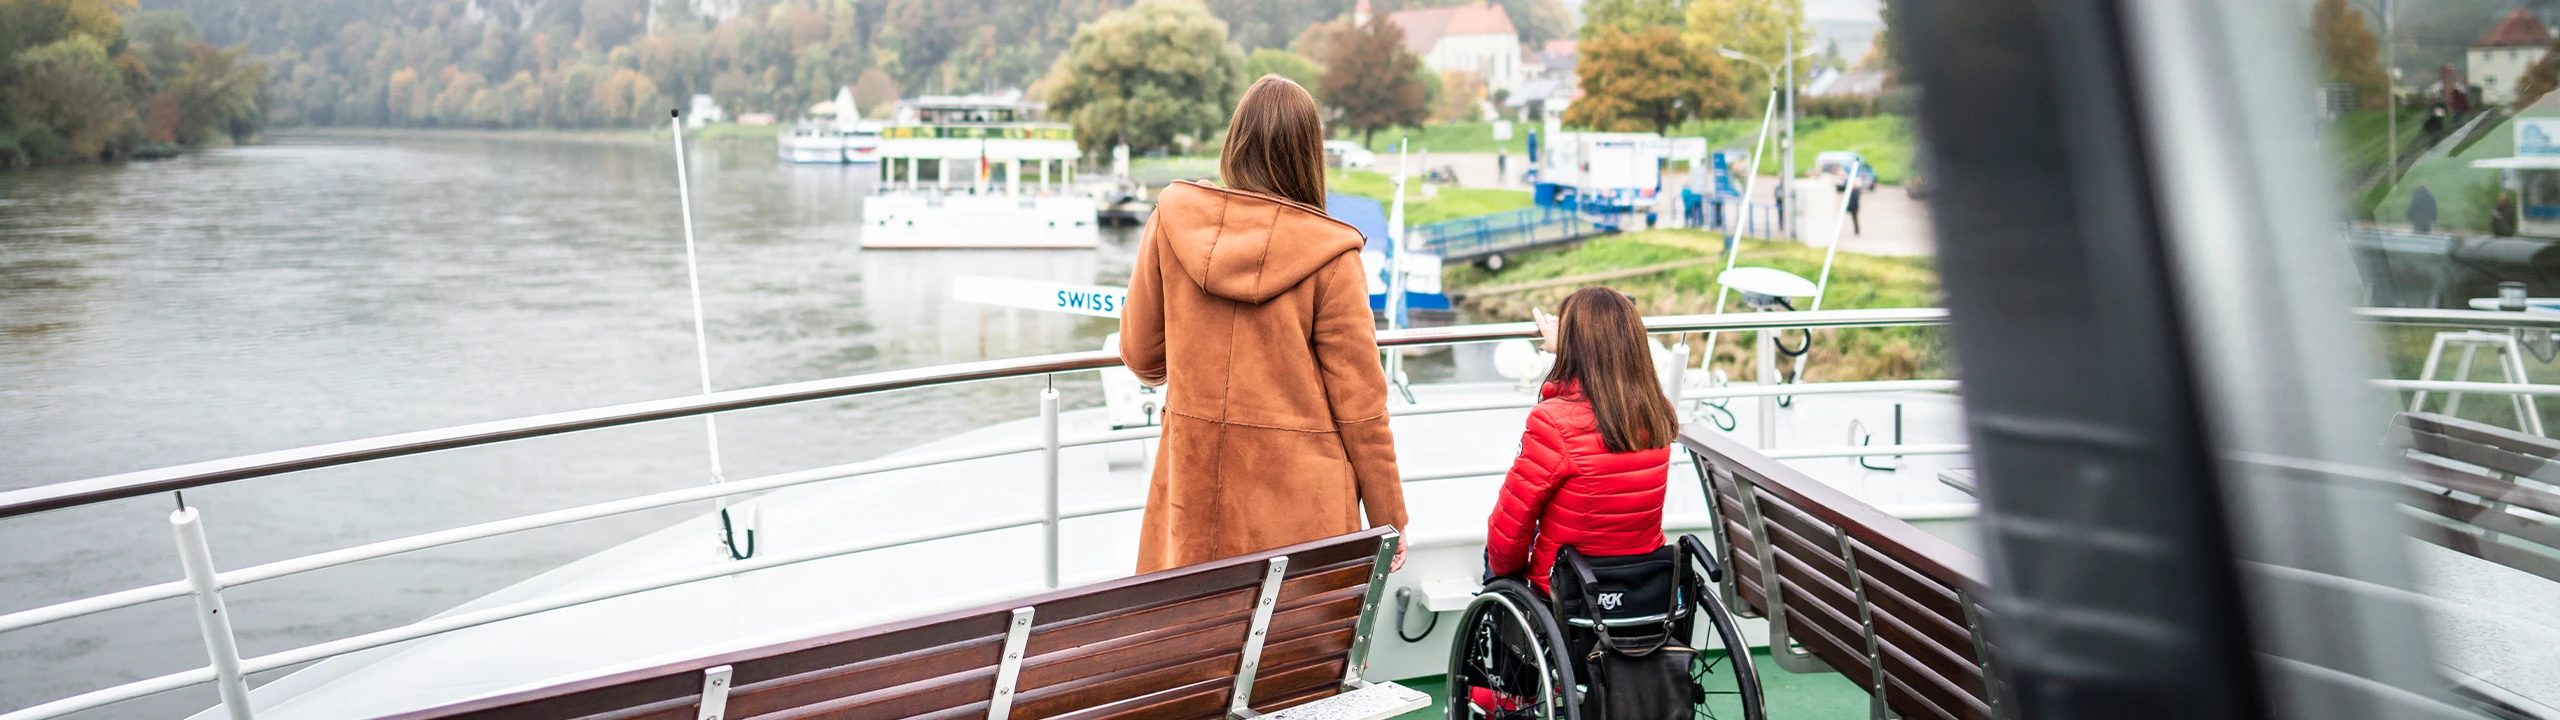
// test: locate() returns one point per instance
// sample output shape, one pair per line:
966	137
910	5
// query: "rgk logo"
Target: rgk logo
1611	601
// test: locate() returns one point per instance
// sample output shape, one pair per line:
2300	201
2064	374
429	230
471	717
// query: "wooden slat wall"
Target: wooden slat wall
1160	645
2483	491
1815	536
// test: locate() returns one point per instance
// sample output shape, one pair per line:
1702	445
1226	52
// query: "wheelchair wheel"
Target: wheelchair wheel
1509	659
1746	676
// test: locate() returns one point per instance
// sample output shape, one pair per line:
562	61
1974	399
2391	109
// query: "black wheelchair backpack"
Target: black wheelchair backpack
1628	620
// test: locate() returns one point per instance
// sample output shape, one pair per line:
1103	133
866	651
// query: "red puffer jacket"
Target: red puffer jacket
1566	488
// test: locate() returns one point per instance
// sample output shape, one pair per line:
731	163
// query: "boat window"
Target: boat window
2262	390
2446	208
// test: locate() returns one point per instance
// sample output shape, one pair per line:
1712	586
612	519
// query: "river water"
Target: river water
329	287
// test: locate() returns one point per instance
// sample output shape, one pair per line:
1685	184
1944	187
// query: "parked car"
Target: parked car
1348	154
1834	166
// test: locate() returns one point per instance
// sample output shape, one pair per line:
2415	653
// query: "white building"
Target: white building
2501	56
1470	38
705	111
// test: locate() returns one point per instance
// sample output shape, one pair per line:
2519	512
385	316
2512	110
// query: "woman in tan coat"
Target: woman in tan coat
1252	303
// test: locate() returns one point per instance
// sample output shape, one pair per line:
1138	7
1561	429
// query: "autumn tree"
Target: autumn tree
1297	68
1758	28
1628	15
1461	97
1649	79
1143	75
1540	20
875	94
66	98
1885	54
1257	24
2349	54
1371	81
1321	42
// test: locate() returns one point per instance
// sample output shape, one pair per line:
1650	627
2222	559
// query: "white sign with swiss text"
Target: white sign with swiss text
1094	300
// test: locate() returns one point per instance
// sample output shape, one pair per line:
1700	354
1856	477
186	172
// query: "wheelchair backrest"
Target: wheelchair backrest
1627	591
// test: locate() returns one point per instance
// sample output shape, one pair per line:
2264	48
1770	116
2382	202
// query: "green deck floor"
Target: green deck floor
1790	696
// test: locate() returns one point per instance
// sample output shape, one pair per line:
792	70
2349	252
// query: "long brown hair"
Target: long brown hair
1275	143
1601	344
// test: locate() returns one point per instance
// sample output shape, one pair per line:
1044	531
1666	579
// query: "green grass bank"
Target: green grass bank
1857	281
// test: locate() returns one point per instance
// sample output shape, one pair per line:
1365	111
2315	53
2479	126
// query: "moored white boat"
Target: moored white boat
977	171
810	144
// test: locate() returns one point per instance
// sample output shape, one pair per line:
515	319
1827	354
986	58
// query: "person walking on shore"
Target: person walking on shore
1854	227
1250	304
2422	209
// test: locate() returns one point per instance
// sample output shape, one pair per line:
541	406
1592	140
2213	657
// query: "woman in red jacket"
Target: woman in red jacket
1597	453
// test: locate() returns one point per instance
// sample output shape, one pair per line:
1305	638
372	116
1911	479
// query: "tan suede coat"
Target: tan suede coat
1256	310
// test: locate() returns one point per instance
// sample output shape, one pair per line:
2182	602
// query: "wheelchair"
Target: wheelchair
1520	654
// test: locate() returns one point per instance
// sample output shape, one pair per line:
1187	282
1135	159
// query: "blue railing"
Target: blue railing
1757	219
1470	238
1475	237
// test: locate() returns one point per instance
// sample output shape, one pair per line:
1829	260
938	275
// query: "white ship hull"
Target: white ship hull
811	150
1469	450
978	221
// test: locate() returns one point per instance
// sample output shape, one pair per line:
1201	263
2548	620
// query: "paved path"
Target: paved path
1475	170
1890	222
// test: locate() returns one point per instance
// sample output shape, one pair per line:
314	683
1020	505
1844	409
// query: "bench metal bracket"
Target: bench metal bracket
1009	668
1782	649
1252	658
1369	610
1866	625
1981	655
715	694
1731	582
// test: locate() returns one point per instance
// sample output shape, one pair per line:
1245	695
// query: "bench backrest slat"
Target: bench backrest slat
2482	490
1848	580
1167	642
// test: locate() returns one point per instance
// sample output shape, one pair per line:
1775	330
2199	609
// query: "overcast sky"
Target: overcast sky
1842	9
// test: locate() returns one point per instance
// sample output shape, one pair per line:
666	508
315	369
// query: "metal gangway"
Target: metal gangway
1468	239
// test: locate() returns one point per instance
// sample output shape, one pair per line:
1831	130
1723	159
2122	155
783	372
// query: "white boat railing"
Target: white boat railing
228	671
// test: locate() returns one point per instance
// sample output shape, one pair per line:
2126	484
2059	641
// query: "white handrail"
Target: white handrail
358	451
290	566
108	696
450	623
317	561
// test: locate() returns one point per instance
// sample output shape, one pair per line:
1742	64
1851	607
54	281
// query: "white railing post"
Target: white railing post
1049	484
219	643
1765	361
1678	374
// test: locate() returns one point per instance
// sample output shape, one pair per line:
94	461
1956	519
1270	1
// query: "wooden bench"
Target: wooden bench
1862	592
1284	632
2482	490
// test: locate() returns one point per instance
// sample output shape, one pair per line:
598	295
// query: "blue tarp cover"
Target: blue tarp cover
1367	215
1370	218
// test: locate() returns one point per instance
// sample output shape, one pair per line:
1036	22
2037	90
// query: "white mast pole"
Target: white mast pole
702	348
1395	274
1733	238
1838	221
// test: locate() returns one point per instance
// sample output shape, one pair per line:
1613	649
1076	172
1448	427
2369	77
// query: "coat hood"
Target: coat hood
1245	246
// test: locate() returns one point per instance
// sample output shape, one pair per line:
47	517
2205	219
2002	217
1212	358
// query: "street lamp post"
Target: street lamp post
2391	92
1787	140
2391	87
